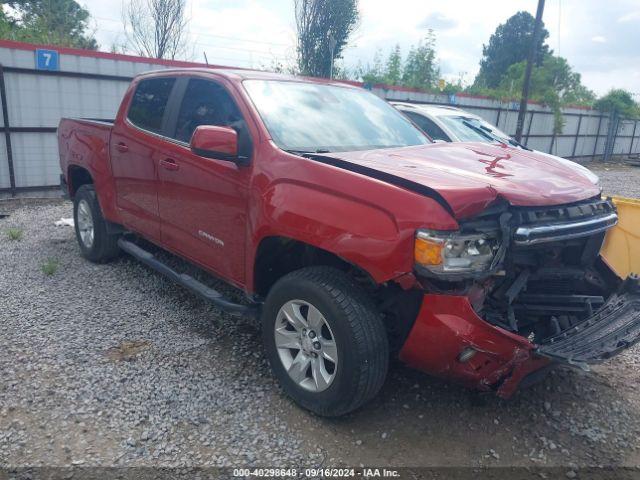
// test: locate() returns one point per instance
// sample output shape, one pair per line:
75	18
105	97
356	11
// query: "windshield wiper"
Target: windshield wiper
482	132
515	143
508	139
307	152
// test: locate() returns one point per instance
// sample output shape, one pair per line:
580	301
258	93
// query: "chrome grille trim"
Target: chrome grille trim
555	232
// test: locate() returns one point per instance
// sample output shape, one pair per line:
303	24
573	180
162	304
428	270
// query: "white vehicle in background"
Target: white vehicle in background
451	124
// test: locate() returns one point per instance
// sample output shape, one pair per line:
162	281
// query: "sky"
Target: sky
600	39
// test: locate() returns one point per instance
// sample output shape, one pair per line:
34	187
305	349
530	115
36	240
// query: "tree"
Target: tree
455	86
553	83
508	45
555	76
393	73
372	73
318	22
156	28
420	69
6	26
618	100
59	22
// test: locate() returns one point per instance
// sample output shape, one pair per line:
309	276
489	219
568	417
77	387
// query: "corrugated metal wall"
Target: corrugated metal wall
36	100
90	84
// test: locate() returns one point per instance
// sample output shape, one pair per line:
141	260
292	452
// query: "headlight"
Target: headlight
454	254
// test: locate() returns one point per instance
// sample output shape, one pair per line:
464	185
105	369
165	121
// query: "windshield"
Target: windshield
470	129
308	117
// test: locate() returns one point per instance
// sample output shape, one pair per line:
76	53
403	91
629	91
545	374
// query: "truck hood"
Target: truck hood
471	176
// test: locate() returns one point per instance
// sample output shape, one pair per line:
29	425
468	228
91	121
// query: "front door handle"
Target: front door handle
169	164
122	147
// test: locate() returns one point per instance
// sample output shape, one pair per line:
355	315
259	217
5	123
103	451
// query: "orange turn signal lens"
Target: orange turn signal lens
428	252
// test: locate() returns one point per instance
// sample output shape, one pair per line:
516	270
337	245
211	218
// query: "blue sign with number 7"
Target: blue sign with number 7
47	60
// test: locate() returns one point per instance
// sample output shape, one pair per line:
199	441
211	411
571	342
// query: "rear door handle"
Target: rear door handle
122	147
169	164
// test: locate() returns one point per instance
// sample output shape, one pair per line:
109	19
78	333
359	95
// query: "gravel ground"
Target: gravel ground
618	179
113	365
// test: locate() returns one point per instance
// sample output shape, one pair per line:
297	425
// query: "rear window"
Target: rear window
150	102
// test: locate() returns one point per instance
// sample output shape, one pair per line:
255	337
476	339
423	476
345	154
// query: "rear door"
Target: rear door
134	148
203	201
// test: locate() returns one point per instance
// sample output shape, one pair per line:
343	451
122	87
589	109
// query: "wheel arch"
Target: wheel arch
76	177
276	256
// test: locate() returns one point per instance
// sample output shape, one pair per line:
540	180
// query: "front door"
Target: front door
203	201
134	145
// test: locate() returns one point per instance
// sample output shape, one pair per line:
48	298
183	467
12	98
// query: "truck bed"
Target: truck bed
84	142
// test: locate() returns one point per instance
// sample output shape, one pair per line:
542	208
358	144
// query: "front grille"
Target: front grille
544	225
524	216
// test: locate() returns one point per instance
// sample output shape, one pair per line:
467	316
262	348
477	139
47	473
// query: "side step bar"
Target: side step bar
187	281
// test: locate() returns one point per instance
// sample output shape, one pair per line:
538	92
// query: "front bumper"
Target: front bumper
447	325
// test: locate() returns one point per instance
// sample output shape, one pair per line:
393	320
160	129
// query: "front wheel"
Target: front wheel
325	340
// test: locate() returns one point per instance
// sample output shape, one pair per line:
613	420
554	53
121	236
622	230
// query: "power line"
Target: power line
237	49
233	61
237	39
259	53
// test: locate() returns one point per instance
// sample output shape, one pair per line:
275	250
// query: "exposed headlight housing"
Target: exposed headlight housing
451	254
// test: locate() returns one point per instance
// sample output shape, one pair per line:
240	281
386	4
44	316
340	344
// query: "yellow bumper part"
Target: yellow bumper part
621	248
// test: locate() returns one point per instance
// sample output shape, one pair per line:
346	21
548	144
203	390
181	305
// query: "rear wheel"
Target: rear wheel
96	244
325	340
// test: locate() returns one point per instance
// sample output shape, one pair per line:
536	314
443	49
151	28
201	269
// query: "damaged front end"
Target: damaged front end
517	289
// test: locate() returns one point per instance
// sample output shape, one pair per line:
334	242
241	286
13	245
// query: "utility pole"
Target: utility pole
527	74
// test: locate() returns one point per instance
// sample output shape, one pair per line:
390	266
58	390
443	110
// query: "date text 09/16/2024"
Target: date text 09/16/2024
316	472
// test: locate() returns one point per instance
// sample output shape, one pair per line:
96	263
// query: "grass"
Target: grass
14	234
50	266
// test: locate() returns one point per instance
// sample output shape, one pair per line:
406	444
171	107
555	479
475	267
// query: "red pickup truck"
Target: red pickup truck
352	234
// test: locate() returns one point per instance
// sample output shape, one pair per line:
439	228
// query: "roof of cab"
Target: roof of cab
241	74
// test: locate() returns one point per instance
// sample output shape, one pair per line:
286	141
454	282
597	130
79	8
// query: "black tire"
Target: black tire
104	246
358	331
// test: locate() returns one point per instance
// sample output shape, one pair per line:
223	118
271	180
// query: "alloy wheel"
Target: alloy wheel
306	345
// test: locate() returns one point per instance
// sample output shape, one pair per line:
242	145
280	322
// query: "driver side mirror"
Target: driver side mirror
220	143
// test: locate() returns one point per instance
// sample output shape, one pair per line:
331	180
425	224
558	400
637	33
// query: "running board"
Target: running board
187	281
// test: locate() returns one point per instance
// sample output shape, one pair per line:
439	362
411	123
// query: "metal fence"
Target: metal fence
91	84
30	144
83	84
